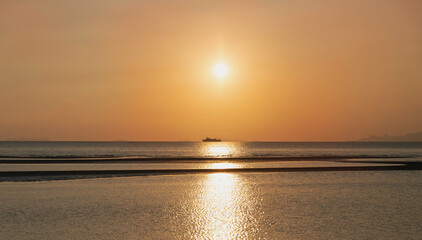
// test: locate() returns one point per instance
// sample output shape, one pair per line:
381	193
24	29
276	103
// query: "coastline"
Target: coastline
7	176
58	160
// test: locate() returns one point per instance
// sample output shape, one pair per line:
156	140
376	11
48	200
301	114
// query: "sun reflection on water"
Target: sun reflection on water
223	208
220	149
223	165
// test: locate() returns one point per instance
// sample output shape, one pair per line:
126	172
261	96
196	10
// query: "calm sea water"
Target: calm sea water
307	205
211	149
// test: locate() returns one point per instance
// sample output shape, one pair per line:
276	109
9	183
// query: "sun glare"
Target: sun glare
221	70
223	165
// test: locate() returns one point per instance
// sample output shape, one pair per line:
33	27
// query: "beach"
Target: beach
219	191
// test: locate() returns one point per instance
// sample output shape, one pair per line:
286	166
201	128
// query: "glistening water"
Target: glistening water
207	149
261	205
306	205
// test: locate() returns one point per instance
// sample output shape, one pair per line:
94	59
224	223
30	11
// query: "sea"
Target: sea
53	149
305	204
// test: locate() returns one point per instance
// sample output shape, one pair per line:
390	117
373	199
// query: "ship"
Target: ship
211	140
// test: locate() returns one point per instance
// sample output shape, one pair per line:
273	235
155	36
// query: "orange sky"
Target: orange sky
142	70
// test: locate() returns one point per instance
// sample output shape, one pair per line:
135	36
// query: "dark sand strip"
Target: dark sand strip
177	159
404	167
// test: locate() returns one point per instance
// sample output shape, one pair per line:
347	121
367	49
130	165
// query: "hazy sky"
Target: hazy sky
142	70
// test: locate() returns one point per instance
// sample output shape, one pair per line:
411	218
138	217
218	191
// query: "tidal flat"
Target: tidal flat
292	205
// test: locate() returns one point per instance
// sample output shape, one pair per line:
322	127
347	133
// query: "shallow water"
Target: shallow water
340	205
169	165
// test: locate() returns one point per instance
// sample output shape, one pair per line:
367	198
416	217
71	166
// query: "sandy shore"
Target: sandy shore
404	166
58	160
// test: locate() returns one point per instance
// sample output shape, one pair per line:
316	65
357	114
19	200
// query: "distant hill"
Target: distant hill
411	137
27	139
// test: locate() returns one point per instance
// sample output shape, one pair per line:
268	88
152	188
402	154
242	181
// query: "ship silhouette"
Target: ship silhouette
211	140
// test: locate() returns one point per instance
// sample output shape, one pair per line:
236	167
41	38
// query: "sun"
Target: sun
221	70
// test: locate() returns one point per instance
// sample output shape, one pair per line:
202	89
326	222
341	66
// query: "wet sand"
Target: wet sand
405	166
33	169
59	160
